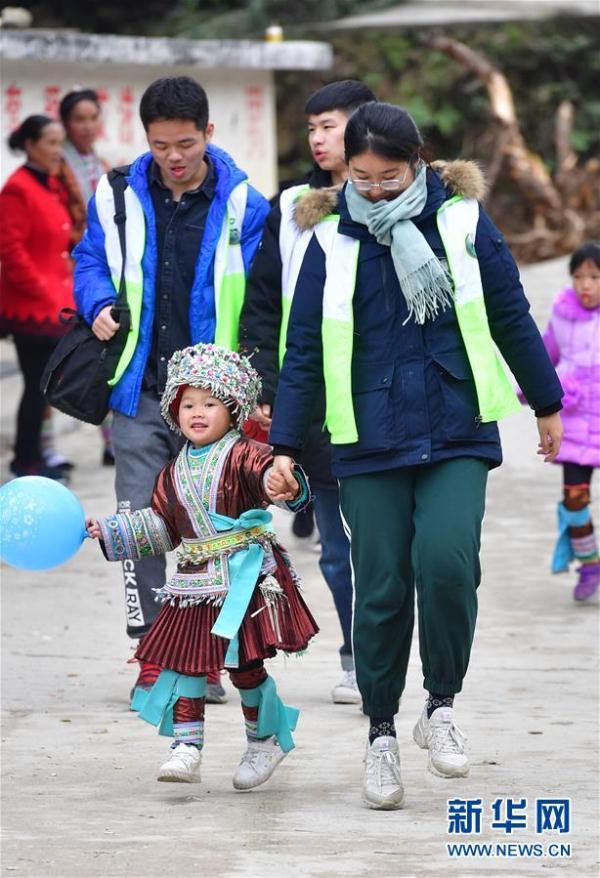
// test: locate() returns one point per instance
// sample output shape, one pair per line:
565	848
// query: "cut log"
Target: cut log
561	212
525	168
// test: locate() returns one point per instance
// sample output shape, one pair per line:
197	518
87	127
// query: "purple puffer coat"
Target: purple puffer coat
573	342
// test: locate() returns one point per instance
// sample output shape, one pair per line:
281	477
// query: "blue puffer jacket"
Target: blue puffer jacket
413	389
94	289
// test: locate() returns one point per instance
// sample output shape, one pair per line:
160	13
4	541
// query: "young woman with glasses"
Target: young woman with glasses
405	290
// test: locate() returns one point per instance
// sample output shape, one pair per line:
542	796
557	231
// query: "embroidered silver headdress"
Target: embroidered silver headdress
228	376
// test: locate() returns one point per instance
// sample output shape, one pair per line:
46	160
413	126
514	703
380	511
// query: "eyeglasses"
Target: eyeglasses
384	185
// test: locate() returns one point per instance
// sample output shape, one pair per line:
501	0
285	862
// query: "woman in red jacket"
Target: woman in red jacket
35	278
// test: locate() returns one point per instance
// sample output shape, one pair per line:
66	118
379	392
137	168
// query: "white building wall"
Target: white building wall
242	106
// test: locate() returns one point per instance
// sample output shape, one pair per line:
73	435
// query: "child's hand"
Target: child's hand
282	486
93	529
551	432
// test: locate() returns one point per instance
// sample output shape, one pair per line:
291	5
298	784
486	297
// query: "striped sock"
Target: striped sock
585	547
251	722
188	733
251	730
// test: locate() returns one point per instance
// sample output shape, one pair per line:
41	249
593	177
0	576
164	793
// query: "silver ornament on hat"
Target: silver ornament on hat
229	376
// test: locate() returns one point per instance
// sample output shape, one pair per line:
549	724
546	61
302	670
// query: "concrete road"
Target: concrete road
79	793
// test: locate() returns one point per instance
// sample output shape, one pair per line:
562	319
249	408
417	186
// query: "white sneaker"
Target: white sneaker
346	691
382	787
182	766
258	764
445	742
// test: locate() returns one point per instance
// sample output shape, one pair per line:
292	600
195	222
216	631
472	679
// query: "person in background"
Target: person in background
35	279
263	327
80	113
80	172
572	339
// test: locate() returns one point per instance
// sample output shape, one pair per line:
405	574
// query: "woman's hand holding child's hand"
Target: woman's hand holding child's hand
282	485
93	529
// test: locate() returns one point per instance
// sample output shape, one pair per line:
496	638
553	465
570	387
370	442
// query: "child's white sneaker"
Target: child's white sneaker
182	766
446	743
346	691
258	764
382	787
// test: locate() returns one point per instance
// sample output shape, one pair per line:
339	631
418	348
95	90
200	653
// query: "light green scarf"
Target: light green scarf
425	285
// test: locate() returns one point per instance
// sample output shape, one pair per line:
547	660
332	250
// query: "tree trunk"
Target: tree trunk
555	207
524	167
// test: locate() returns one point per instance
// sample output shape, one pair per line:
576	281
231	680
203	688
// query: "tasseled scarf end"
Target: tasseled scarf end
427	291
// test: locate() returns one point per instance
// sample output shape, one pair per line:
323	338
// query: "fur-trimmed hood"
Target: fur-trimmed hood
314	205
461	177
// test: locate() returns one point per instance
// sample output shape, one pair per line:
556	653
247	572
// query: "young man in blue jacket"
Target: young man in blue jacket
193	226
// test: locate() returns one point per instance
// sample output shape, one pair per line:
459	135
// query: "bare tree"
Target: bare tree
562	210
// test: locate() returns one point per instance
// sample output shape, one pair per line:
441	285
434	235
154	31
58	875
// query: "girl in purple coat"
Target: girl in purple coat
573	342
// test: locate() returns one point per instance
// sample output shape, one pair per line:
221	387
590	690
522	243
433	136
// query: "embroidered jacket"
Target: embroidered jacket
188	505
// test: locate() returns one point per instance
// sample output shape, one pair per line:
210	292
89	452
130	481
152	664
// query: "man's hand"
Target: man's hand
282	485
262	414
104	327
551	432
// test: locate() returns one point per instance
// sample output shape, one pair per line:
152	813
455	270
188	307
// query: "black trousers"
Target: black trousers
576	474
32	352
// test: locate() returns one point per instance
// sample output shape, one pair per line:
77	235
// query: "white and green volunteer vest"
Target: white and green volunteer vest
229	275
457	224
293	243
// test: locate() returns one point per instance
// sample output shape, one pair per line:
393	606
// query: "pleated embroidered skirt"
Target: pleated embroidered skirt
180	637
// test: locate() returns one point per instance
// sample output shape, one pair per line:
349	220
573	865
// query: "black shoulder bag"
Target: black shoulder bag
75	380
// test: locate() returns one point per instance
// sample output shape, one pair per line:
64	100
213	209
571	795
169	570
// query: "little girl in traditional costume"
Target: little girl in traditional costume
234	600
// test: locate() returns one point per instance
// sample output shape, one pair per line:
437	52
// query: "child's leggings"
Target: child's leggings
188	713
576	498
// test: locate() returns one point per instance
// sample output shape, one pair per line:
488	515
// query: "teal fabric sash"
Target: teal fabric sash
563	550
274	717
244	570
155	705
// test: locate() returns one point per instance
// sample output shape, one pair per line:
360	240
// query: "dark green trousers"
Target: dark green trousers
414	526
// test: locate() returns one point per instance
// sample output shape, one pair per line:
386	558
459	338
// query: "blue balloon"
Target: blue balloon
42	524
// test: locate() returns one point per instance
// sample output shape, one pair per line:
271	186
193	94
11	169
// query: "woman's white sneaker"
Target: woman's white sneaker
258	764
182	766
446	743
382	787
346	691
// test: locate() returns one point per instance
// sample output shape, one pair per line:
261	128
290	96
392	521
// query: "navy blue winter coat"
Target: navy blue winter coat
413	390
